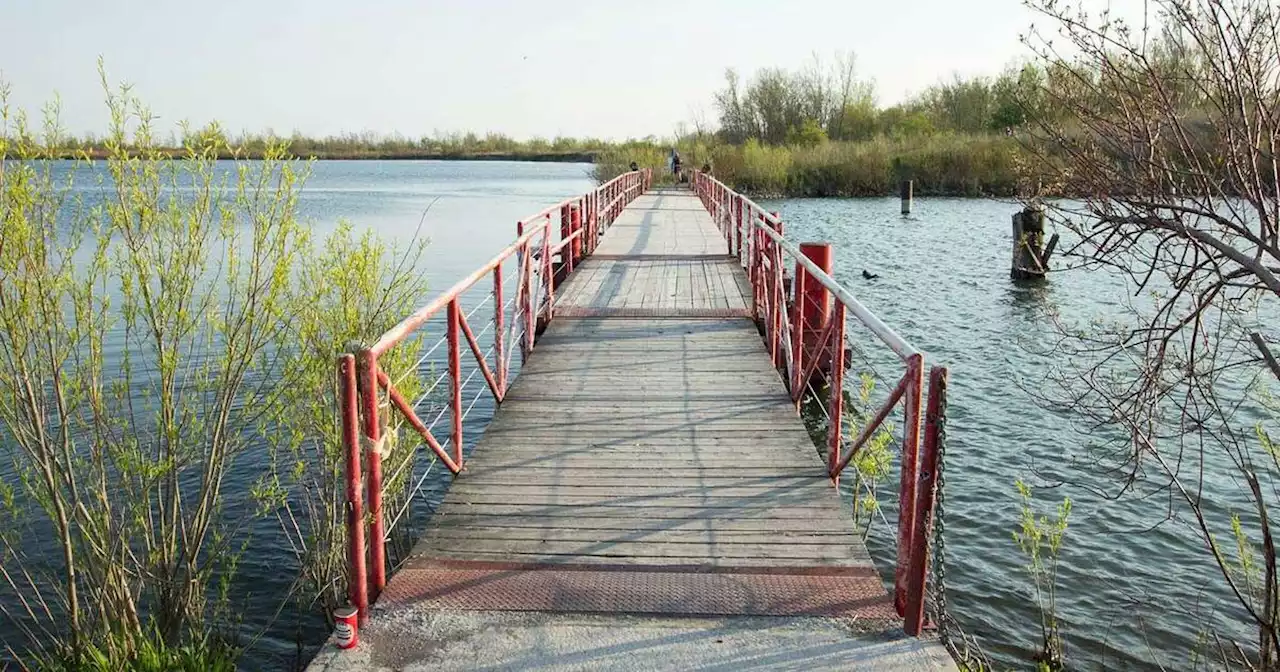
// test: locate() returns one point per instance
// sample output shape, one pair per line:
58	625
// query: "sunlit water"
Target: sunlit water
944	286
1135	589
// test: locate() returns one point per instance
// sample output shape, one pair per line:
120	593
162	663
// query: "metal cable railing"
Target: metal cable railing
374	407
804	324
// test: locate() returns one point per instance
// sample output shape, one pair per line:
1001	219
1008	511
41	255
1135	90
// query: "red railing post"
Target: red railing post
726	214
811	297
523	294
738	228
455	378
817	309
798	329
777	300
753	269
530	320
499	329
763	242
910	477
592	235
921	533
726	218
835	394
368	380
548	270
566	230
777	305
575	226
358	588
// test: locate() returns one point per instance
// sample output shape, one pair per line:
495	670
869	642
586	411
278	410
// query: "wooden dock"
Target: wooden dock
648	462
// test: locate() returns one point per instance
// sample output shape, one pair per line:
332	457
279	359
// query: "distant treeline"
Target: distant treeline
819	132
368	145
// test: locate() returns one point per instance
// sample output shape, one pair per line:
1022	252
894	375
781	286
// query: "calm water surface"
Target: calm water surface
1134	587
467	210
944	285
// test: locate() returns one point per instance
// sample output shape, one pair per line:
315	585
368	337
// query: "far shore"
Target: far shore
98	154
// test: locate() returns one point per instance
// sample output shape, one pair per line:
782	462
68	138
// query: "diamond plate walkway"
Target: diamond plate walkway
646	497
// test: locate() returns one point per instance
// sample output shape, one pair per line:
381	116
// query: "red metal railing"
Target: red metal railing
805	333
365	388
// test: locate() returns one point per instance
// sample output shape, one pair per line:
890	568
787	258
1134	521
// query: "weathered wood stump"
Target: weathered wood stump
1030	254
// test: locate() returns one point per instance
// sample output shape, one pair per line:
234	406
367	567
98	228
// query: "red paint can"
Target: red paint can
345	632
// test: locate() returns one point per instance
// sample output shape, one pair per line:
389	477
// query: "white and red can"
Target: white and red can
345	630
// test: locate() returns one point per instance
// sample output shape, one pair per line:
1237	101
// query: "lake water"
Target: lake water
944	286
1134	587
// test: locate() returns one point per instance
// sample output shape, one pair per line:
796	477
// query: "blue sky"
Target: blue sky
544	67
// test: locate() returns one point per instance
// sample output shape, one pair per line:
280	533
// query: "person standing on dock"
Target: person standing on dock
675	164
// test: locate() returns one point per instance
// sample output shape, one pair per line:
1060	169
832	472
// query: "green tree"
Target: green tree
808	134
184	271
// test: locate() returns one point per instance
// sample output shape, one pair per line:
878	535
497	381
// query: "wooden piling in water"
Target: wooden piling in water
905	189
1030	254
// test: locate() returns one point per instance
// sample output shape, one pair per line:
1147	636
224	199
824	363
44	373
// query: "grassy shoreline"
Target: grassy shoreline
945	165
98	154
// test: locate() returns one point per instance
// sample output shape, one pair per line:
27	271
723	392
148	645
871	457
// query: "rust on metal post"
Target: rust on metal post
358	587
455	377
917	572
910	477
368	382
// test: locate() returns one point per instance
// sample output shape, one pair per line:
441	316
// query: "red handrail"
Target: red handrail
361	380
799	349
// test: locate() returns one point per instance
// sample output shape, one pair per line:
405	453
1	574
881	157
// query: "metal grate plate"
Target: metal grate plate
623	589
660	257
653	313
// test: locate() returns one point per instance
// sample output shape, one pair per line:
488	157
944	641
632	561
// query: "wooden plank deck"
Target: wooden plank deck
660	441
646	496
